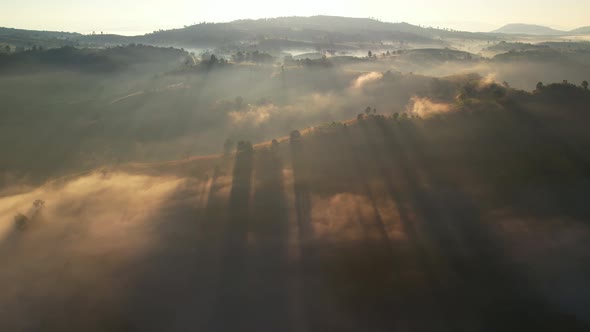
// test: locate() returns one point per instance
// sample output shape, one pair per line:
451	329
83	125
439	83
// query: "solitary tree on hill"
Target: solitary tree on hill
295	136
585	85
213	60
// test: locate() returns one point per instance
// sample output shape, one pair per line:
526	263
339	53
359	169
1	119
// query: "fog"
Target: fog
294	174
114	249
93	121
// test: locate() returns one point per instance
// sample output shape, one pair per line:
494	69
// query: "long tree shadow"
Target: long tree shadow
301	187
472	253
390	310
398	173
270	263
179	279
565	194
363	171
309	252
231	306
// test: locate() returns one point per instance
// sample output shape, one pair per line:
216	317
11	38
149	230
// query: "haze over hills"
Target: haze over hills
540	30
27	38
324	31
328	30
582	30
528	29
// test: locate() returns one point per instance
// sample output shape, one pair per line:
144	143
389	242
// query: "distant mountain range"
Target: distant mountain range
539	30
321	31
325	32
582	31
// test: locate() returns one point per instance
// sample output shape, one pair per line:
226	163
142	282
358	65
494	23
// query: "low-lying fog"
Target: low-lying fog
58	122
125	251
424	189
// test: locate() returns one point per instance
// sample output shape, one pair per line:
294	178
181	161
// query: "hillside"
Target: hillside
330	29
21	38
581	31
528	29
105	60
323	31
387	220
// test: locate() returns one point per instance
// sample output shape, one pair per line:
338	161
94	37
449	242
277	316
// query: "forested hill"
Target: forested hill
325	29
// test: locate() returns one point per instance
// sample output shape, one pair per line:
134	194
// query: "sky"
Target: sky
130	17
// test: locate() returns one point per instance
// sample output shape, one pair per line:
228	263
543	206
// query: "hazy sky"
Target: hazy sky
140	16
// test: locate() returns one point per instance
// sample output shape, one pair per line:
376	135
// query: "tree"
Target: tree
213	60
370	54
295	136
245	147
368	110
585	85
228	145
540	86
239	56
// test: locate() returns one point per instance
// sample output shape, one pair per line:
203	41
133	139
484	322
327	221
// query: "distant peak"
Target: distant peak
528	29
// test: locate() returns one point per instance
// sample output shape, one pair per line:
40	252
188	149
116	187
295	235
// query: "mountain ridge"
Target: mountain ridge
539	30
326	31
319	29
527	29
